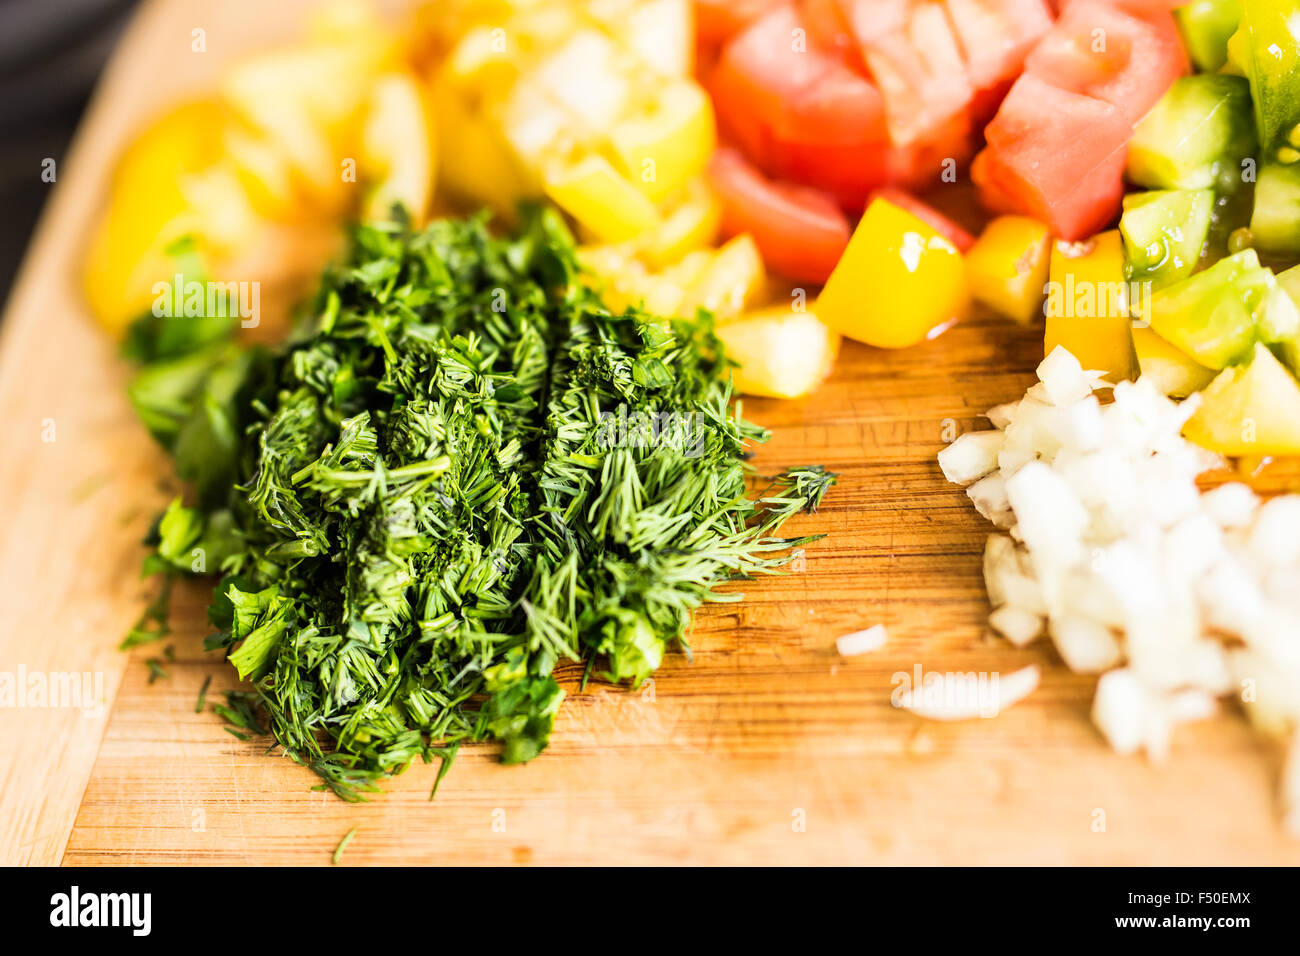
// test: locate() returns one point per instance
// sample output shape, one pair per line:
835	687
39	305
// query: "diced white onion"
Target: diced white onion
862	642
965	696
1175	597
971	456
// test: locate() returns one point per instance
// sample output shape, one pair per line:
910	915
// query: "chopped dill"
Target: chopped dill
461	475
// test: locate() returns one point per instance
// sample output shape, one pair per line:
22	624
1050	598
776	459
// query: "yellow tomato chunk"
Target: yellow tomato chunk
1088	305
732	281
602	201
691	224
1249	410
1174	372
782	353
669	145
1007	267
398	155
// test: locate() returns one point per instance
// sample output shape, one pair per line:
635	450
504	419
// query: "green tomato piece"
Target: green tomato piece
1210	315
1275	221
1196	137
1164	232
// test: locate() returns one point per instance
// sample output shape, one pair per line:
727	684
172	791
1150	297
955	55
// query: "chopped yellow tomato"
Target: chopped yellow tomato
1249	410
169	184
482	59
782	353
692	224
732	282
725	281
660	33
1173	371
662	150
306	101
481	169
274	154
265	171
398	155
625	282
602	201
1088	305
1007	267
599	90
898	280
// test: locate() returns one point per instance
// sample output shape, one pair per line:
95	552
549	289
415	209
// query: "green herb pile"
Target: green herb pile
462	471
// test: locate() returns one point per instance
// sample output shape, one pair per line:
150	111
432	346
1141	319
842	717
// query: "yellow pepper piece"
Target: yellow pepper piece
782	353
1007	267
897	281
732	281
602	201
1174	372
1088	305
663	149
1251	410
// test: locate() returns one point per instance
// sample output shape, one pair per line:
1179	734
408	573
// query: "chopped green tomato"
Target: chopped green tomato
1164	232
1174	371
1206	26
1210	315
1289	282
1275	223
1250	410
1278	320
1231	214
1269	50
1196	137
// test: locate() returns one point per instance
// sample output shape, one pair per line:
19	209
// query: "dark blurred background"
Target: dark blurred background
51	53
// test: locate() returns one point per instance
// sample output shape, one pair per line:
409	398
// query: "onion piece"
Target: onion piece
862	642
965	696
971	456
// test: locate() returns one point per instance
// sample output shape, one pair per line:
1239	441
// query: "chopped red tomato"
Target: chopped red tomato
801	115
911	53
1055	155
996	35
800	231
716	21
830	31
1100	50
936	220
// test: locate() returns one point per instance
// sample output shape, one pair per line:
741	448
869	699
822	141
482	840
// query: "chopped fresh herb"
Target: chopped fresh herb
156	669
343	845
461	474
203	695
152	625
240	710
447	757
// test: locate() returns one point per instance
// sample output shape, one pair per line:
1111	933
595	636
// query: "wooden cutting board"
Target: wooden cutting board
766	748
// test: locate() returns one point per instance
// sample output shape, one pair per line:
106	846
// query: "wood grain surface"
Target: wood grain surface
767	747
